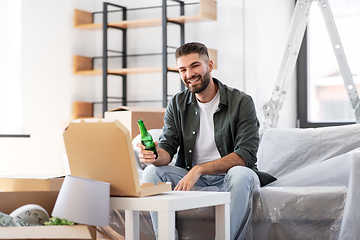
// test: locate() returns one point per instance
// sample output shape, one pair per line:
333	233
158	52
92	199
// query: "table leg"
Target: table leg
166	225
132	225
222	221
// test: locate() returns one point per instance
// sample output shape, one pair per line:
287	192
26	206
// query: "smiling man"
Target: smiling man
214	129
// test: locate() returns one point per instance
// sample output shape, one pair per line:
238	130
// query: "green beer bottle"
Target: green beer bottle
146	138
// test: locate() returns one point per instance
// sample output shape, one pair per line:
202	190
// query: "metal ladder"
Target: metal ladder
294	39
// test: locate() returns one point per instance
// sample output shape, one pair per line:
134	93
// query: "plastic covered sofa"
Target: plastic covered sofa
315	197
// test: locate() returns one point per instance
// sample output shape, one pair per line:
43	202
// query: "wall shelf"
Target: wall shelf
207	12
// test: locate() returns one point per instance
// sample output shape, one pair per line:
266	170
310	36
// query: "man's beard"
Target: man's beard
204	82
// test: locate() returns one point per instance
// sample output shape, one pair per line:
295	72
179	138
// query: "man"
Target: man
214	129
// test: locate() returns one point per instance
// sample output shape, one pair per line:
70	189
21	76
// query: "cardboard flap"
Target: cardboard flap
48	232
148	189
146	185
30	184
102	150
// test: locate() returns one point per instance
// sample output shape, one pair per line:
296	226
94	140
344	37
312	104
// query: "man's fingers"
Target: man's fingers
182	187
139	145
178	187
148	157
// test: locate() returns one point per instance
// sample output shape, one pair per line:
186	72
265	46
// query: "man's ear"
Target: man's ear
210	65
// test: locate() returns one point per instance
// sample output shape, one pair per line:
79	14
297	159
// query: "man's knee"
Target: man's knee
240	175
149	175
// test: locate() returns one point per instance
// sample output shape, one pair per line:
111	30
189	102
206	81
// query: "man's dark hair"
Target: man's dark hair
192	47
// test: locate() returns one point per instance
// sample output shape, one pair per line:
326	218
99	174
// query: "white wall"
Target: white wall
247	59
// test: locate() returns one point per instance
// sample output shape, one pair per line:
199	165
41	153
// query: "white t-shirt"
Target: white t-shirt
205	148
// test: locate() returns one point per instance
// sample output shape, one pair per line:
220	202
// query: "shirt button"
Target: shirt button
188	168
193	132
195	112
190	151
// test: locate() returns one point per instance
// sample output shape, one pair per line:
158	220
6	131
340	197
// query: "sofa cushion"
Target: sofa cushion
284	150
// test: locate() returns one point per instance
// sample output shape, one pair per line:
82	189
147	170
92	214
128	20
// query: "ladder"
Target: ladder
294	39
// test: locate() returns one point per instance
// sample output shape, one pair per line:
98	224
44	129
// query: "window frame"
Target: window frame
302	91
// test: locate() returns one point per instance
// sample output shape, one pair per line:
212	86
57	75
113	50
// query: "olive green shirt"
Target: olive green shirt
236	126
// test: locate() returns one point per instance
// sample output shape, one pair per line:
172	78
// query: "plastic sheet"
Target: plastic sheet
315	197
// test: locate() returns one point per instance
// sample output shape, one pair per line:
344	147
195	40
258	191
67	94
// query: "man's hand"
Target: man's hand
146	156
189	180
217	166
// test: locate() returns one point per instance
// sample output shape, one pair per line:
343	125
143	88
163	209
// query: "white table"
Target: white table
166	204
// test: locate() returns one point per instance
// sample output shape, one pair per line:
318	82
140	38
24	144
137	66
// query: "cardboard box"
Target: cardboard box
102	150
128	116
9	201
27	183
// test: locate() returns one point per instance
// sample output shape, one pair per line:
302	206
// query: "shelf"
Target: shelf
83	66
207	12
121	71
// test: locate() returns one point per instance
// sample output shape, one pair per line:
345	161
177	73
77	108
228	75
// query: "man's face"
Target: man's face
194	72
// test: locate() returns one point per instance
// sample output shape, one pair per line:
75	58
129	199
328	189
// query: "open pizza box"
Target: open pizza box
101	149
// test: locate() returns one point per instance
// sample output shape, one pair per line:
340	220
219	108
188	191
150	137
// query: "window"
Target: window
322	97
10	68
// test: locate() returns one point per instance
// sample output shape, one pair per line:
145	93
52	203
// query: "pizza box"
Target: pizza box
101	149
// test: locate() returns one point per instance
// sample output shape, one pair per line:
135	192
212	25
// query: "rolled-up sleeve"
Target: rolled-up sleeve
169	139
247	132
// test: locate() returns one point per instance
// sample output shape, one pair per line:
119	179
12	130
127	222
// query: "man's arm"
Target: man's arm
221	165
147	156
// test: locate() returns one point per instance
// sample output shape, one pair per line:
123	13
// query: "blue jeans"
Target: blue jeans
239	181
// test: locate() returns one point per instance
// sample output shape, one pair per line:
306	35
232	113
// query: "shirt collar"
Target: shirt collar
223	98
